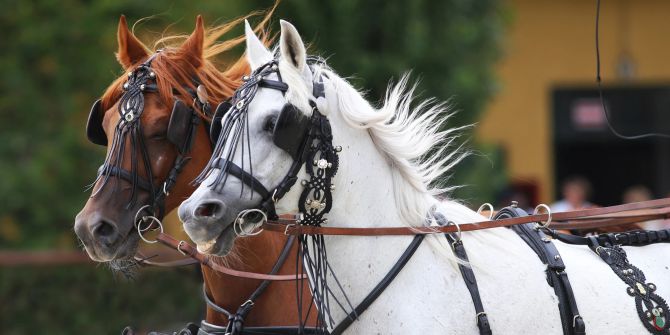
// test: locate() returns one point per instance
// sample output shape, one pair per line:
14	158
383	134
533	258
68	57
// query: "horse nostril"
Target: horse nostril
105	232
209	209
104	229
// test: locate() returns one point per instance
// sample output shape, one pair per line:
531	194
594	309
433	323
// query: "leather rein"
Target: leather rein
579	219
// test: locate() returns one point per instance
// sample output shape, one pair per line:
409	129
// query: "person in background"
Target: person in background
576	191
637	193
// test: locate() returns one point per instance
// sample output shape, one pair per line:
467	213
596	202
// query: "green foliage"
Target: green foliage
87	300
58	57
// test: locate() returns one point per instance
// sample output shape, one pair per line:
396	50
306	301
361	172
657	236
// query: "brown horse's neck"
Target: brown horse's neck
278	304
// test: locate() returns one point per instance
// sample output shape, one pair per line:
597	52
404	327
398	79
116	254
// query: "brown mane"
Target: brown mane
175	71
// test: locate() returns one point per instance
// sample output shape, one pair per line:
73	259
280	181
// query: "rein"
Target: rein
579	219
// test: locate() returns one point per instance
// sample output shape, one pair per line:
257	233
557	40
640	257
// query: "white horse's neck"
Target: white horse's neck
428	296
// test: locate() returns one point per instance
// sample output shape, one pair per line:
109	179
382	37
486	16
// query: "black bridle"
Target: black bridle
308	140
181	132
294	132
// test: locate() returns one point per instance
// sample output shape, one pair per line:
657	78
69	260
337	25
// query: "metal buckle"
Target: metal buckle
480	314
179	247
286	229
574	320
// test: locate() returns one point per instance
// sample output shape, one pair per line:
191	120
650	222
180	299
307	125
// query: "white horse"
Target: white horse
386	178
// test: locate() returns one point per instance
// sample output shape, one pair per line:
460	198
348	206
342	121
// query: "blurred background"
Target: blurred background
522	71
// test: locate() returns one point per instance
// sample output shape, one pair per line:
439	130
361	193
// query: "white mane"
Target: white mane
412	138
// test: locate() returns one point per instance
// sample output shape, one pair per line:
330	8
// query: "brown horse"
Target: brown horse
139	160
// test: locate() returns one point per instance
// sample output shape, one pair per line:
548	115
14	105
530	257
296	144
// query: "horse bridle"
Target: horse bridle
304	138
183	124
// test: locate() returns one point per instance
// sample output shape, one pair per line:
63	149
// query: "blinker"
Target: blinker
290	130
94	131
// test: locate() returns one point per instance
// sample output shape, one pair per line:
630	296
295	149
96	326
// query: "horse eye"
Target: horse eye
269	125
158	137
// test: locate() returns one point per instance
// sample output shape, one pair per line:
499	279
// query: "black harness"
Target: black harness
651	308
181	131
468	275
572	322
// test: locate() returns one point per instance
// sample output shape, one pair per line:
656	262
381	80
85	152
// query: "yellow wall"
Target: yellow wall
551	43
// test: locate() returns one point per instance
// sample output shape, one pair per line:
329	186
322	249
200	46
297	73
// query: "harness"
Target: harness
572	322
651	308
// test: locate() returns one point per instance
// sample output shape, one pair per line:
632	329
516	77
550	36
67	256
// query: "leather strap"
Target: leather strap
242	175
188	250
572	322
236	321
631	238
468	276
652	209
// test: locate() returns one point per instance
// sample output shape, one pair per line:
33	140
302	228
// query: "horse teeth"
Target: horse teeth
206	247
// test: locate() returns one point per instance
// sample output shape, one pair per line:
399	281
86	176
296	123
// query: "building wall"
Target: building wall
551	43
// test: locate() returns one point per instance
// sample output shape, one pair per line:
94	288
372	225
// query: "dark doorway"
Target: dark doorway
584	145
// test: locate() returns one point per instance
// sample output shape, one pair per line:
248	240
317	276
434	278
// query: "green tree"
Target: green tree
58	57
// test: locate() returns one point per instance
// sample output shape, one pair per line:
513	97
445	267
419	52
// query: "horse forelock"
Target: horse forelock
173	71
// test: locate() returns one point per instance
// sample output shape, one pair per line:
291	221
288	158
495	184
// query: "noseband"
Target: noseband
181	132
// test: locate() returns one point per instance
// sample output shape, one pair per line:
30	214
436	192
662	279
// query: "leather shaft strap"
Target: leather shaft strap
468	275
572	322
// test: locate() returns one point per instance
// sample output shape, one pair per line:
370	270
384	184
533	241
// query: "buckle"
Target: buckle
480	314
286	229
182	242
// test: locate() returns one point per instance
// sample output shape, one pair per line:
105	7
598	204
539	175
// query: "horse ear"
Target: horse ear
257	53
131	50
291	46
192	49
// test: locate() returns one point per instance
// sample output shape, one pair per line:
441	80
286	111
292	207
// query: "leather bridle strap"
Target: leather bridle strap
244	176
599	214
188	250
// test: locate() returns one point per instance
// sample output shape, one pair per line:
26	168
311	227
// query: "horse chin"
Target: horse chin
219	245
122	253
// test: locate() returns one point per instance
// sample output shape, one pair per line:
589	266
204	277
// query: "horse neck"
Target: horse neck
364	190
257	254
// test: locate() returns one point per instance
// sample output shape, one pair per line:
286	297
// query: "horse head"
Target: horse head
152	120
